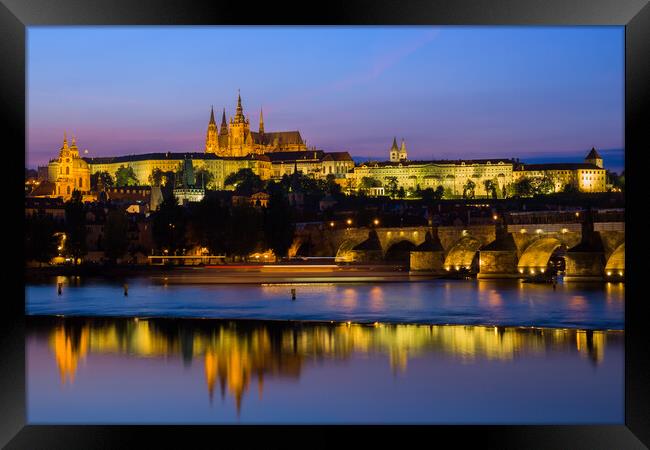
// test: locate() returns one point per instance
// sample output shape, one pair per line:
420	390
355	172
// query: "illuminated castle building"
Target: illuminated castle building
234	138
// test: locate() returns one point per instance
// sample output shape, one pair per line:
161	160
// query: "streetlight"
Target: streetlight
332	224
349	221
376	222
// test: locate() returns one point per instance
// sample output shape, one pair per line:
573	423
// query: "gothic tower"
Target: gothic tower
402	151
211	143
239	131
261	121
394	151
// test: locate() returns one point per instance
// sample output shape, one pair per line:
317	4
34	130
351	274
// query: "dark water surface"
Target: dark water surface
470	302
129	370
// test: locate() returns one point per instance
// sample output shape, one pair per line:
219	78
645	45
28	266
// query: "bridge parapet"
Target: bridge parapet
545	228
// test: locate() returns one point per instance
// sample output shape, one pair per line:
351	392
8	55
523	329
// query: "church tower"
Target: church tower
261	121
594	158
239	131
402	151
211	138
394	151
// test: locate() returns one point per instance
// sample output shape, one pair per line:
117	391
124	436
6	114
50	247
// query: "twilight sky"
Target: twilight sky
537	93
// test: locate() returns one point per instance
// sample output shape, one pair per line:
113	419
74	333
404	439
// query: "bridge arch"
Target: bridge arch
616	262
400	250
463	254
537	255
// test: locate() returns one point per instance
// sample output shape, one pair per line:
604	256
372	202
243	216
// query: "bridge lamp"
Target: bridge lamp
376	221
577	214
609	274
331	224
349	221
495	217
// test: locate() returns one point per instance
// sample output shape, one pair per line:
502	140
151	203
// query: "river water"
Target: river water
515	353
467	302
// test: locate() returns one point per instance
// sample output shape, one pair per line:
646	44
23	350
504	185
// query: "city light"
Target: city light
376	221
331	224
522	231
349	221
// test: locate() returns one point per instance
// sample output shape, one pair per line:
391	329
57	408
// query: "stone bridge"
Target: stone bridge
491	251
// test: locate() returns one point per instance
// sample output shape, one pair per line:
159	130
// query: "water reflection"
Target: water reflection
236	354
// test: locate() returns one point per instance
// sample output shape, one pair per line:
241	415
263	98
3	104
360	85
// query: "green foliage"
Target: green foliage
491	188
469	189
156	177
104	178
429	194
116	240
244	232
208	223
570	188
125	176
75	227
401	193
204	178
168	226
245	181
523	187
40	241
278	226
392	186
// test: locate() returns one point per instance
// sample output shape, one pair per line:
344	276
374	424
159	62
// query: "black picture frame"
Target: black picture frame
16	15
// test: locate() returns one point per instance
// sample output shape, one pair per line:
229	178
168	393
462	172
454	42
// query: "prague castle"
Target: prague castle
233	146
235	138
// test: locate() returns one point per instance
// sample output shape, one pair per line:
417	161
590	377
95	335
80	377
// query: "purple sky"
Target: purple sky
537	93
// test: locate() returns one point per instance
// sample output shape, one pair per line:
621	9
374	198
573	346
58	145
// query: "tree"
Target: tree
207	224
245	182
392	186
367	183
168	226
490	188
523	187
570	188
125	176
244	233
468	189
545	185
439	193
156	177
278	226
401	193
331	185
40	241
103	178
204	178
116	237
75	227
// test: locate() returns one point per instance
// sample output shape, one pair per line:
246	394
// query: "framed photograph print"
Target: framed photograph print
374	217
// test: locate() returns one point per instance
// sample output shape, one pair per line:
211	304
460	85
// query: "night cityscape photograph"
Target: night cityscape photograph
325	225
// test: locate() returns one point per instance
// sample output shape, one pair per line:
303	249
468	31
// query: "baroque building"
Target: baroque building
66	173
235	138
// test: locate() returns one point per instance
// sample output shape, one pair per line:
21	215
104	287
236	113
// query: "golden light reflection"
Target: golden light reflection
234	353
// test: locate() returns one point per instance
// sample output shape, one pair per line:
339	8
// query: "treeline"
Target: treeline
234	230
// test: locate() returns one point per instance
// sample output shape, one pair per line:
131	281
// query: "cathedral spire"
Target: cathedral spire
65	140
224	124
212	121
261	121
394	146
240	110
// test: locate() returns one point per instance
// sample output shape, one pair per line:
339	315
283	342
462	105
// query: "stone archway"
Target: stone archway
616	262
537	255
463	254
400	251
